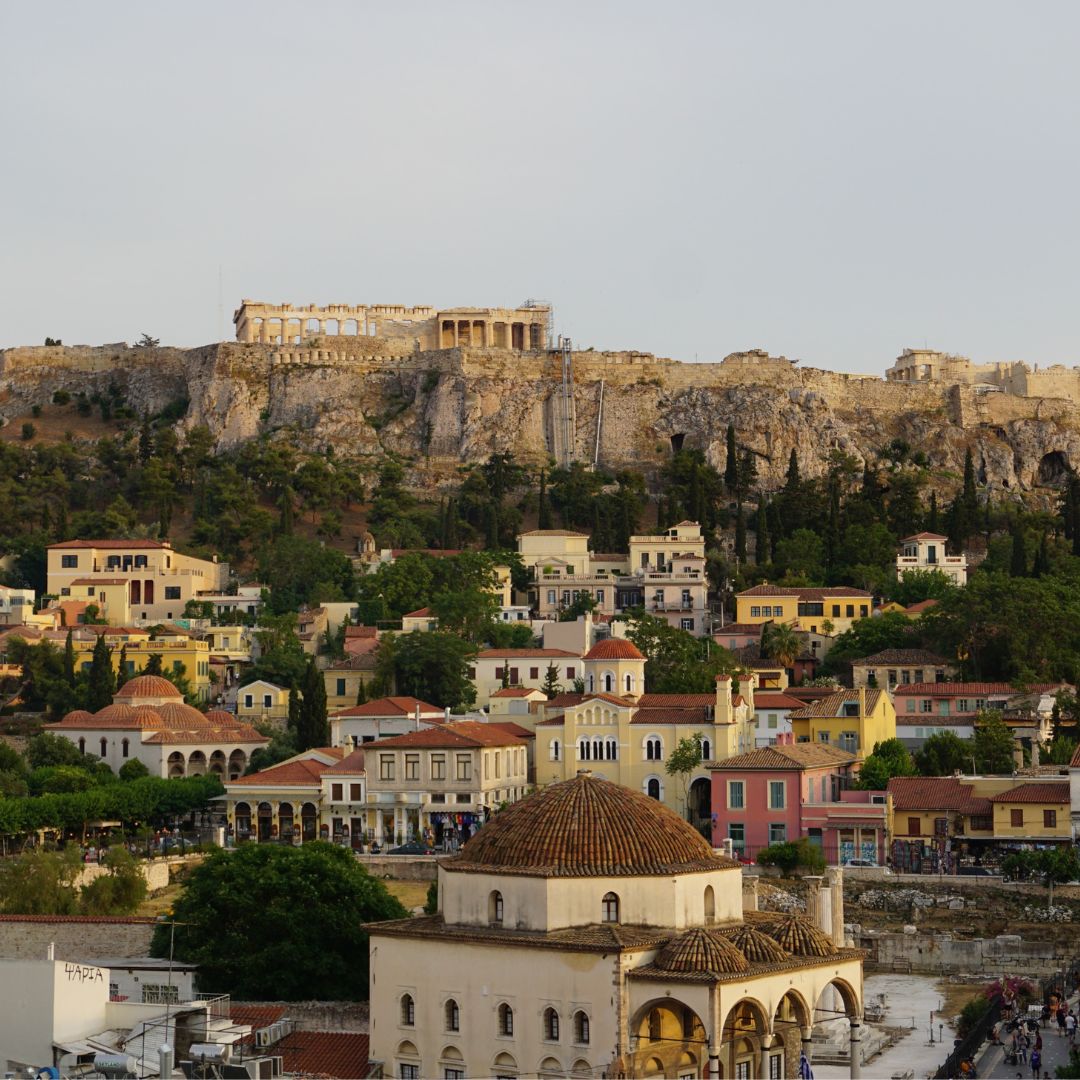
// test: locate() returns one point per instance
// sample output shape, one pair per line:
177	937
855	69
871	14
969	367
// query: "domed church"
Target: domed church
589	931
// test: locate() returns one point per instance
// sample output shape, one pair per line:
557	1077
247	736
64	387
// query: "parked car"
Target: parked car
411	848
975	871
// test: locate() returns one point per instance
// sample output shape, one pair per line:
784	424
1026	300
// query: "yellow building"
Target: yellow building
945	820
853	720
343	679
263	702
824	611
156	581
627	736
554	549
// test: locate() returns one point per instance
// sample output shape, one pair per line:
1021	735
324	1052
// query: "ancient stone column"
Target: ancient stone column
749	893
856	1049
763	1061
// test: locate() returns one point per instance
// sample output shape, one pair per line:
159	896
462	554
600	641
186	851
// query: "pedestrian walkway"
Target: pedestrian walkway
1055	1052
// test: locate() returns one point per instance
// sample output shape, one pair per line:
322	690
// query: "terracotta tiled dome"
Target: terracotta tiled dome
178	715
78	716
614	649
217	718
800	937
115	711
587	827
148	686
701	950
756	946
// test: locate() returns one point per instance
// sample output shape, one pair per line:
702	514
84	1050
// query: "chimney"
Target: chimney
749	893
50	953
723	700
446	714
747	688
862	702
417	716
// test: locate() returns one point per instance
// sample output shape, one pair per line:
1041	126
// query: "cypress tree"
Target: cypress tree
543	512
1018	565
832	533
312	727
747	472
121	668
101	683
361	693
731	468
740	534
1042	558
491	527
793	483
761	527
69	660
932	523
293	723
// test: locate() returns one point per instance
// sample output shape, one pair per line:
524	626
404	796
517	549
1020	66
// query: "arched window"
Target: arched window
611	749
654	749
104	747
495	908
506	1019
554	750
706	750
583	749
689	1022
408	1010
609	682
655	1027
453	1016
598	749
124	744
82	746
629	681
609	908
581	1028
653	789
591	686
551	1025
710	904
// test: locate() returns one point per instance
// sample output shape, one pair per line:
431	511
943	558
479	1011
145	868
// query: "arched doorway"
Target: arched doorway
242	817
838	1012
309	820
237	764
197	764
266	821
285	822
176	764
699	804
667	1033
741	1045
217	763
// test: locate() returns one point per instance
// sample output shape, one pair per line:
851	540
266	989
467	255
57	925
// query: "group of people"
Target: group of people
1024	1043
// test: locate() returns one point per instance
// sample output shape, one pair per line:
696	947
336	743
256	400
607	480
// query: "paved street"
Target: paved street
1055	1052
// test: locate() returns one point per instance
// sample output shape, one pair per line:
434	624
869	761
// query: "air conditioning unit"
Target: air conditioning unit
263	1037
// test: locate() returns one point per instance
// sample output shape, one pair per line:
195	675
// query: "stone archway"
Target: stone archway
667	1031
747	1030
699	804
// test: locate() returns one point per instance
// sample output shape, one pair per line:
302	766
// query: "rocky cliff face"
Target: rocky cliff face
448	407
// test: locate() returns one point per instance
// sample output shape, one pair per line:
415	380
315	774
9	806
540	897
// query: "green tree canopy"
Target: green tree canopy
993	743
432	666
943	753
291	918
890	758
676	661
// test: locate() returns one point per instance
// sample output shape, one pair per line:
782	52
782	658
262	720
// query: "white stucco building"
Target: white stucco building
590	931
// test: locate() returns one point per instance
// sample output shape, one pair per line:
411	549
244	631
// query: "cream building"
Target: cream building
149	722
520	667
642	957
143	581
628	736
382	718
443	781
263	702
926	551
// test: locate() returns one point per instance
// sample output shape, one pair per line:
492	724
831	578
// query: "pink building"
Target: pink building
789	790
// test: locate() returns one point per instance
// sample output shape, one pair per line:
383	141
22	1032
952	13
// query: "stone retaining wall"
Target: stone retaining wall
76	937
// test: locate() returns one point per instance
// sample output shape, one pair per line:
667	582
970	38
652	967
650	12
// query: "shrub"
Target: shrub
431	905
971	1014
61	397
35	410
791	854
28	431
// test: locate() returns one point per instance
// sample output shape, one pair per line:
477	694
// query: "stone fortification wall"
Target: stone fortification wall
83	938
944	954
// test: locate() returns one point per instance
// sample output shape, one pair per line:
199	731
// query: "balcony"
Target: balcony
913	562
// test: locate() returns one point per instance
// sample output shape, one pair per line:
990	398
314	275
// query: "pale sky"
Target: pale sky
829	181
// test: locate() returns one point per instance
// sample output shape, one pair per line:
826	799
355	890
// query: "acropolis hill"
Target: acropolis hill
444	387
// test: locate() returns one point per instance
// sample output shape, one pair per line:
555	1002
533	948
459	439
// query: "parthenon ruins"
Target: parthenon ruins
406	328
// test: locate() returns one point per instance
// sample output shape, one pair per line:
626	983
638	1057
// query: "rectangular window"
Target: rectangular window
438	767
569	672
905	676
686	624
386	766
736	831
777	834
914	826
249	701
341	688
1016	819
1049	819
409	1072
534	673
267	701
864	610
772	721
962	705
918	675
600	597
463	797
910	705
943	708
823	736
777	798
926	705
464	767
336	792
356	793
172	592
776	1066
551	596
736	795
69	562
412	766
851	611
836	611
755	612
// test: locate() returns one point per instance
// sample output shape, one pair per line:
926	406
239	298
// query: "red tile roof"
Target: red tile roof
419	613
256	1016
924	536
1056	792
342	1055
350	765
100	581
792	756
392	706
565	701
690	715
921	606
514	654
737	628
675	701
928	793
463	733
104	544
901	656
764	700
833	705
515	691
802	593
361	632
512	729
1075	763
614	649
967	689
302	773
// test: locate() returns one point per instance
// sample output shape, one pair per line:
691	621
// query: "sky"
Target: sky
827	181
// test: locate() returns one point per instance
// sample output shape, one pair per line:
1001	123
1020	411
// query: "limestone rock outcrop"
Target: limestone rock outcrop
445	407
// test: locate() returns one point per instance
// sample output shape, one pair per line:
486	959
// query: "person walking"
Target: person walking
1036	1061
1061	1020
